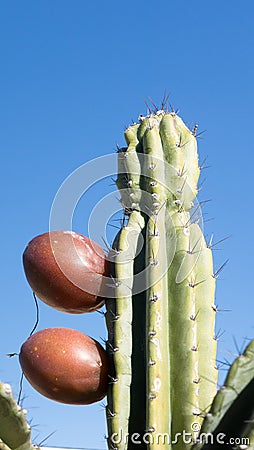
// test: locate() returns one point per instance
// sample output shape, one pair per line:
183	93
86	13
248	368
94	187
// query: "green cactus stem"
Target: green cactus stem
180	150
120	335
205	317
248	429
157	356
119	404
193	352
15	432
128	179
247	434
189	275
137	421
173	361
183	338
232	409
3	446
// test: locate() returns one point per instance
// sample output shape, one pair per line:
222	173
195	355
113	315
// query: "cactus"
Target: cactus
164	296
232	411
14	430
161	314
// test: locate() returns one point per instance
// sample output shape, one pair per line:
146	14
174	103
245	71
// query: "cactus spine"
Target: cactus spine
158	175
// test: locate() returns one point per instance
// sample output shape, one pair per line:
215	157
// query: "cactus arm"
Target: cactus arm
122	347
158	398
236	426
248	430
180	150
137	422
238	420
137	389
121	330
3	446
14	429
228	398
242	369
110	316
183	338
193	350
205	318
158	175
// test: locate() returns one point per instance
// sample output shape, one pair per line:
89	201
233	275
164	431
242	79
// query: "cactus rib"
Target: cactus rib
183	339
158	398
205	317
122	346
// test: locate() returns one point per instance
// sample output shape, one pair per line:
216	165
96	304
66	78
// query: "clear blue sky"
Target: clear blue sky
73	74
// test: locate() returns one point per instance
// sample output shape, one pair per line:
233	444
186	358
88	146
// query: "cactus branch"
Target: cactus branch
162	340
14	430
232	406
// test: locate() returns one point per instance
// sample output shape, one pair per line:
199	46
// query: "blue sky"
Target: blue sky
73	75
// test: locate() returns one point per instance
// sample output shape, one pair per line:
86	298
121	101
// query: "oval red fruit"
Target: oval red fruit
65	365
66	270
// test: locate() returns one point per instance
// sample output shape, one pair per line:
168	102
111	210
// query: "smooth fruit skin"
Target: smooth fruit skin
65	365
66	271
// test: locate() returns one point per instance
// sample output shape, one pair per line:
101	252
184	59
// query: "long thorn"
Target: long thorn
216	274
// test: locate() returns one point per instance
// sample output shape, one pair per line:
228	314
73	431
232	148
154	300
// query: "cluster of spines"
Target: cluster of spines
157	179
